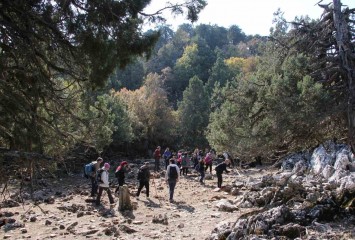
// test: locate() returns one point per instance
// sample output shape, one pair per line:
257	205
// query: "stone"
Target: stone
90	232
127	229
292	230
80	214
226	206
181	225
137	222
48	222
160	219
50	200
124	199
72	226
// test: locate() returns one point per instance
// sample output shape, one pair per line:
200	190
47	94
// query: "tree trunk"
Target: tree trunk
347	63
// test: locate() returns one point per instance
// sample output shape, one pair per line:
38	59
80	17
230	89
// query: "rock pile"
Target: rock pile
310	190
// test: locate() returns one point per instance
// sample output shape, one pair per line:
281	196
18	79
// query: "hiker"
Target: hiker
167	155
179	159
172	177
157	156
120	174
219	170
200	167
226	155
194	158
143	178
209	160
102	178
94	167
185	163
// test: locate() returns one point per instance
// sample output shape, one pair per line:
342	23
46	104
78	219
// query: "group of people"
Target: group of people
99	178
175	164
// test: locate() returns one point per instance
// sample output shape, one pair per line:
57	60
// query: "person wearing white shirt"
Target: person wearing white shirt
104	184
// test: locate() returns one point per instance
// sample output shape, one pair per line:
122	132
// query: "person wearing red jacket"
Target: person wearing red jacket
157	156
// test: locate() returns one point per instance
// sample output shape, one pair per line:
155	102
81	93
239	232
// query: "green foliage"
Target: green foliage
100	120
131	77
213	35
193	113
278	107
235	35
196	60
220	73
52	52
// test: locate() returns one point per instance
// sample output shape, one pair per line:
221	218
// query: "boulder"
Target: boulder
124	199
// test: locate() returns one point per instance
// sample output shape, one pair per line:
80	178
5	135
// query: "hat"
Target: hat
123	163
107	165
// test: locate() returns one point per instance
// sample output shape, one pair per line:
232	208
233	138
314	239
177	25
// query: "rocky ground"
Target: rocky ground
64	210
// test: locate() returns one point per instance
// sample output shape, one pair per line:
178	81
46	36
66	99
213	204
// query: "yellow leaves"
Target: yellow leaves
242	65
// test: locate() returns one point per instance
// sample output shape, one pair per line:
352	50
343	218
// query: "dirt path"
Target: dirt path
69	214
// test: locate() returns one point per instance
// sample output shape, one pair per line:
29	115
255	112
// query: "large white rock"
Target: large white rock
347	183
321	158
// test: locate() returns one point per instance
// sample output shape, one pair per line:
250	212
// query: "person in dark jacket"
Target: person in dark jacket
143	178
219	170
120	174
201	169
94	184
171	178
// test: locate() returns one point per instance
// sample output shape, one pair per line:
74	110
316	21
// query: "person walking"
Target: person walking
143	178
219	170
201	169
102	177
194	158
185	163
157	156
120	174
167	155
172	177
209	160
95	166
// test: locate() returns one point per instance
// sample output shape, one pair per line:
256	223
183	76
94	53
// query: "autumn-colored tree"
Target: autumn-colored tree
148	108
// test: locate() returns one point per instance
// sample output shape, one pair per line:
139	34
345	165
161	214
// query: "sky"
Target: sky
252	16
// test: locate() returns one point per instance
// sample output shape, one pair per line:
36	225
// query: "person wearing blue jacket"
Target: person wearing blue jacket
167	155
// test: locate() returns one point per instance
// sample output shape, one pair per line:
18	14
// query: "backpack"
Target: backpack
184	161
142	174
118	172
208	159
172	173
98	176
88	169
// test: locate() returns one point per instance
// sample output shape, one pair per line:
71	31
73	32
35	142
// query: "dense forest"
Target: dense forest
84	72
